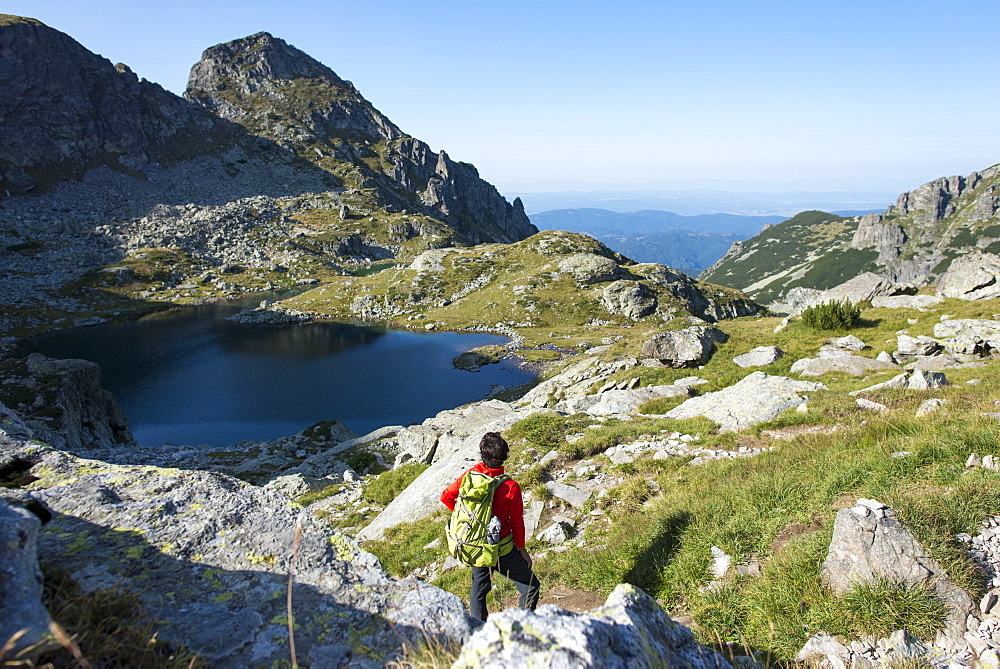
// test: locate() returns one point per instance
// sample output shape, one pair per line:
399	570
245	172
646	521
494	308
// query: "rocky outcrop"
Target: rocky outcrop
282	93
689	347
209	557
589	268
62	402
630	630
885	237
969	336
631	299
756	398
870	543
931	202
855	365
975	276
700	299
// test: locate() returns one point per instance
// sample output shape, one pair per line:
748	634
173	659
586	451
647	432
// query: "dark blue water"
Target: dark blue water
190	377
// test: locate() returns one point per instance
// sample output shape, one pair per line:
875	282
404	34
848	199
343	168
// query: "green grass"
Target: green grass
387	486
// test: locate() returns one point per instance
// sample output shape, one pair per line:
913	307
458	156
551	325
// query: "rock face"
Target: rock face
975	276
869	543
689	347
253	79
21	605
629	631
755	399
210	555
62	402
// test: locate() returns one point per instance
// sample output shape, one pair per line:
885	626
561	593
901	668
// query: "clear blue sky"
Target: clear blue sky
553	95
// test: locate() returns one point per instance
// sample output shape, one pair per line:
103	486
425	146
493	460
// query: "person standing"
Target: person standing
508	507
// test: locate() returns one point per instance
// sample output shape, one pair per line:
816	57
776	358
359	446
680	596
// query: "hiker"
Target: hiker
514	561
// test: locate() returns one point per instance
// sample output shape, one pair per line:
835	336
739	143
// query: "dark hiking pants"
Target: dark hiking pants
513	566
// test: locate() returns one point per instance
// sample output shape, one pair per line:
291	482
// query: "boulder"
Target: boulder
430	260
630	631
870	543
754	399
628	401
865	287
973	276
588	268
21	605
855	365
914	346
556	533
760	356
628	298
568	493
689	347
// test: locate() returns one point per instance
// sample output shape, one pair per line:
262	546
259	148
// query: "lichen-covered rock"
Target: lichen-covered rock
631	299
689	347
630	631
754	399
760	356
589	268
209	557
969	336
974	276
21	605
870	543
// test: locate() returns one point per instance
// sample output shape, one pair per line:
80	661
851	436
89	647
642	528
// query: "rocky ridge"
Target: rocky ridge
911	243
102	167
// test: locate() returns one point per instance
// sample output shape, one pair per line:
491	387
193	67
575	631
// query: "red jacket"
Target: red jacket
507	503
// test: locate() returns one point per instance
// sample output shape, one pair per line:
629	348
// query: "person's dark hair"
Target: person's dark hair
494	449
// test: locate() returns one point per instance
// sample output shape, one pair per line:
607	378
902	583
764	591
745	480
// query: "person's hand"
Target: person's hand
524	554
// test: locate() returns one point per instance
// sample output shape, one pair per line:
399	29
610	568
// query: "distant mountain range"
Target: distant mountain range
688	243
707	201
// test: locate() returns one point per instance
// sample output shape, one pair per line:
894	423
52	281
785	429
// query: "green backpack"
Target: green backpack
469	536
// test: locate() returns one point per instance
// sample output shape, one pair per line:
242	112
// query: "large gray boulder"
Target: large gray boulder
628	298
974	276
865	287
630	631
590	268
870	543
689	347
209	556
760	356
754	399
21	607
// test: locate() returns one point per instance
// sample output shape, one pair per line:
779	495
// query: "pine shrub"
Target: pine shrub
832	315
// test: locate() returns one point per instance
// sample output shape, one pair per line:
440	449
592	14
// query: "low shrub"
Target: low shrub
832	315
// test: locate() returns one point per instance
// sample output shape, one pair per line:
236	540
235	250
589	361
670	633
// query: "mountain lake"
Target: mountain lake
188	376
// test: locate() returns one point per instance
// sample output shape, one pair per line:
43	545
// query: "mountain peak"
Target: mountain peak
249	63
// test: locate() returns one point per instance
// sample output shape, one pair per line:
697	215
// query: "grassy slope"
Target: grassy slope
521	286
777	508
